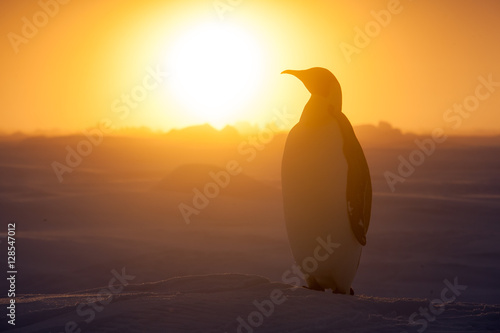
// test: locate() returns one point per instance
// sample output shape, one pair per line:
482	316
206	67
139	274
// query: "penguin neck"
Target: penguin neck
318	111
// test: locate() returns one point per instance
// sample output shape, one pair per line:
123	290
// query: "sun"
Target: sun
216	70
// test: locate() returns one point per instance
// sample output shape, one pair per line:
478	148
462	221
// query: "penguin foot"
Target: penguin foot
336	291
317	289
313	284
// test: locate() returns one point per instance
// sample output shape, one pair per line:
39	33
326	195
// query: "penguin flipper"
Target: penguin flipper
359	187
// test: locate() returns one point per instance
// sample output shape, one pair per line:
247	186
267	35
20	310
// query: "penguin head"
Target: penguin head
320	82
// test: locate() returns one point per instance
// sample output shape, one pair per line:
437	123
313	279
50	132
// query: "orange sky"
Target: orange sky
72	73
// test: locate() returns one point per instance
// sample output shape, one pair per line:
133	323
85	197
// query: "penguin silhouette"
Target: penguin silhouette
326	184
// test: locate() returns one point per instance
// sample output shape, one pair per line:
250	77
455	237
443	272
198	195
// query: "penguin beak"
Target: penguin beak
301	75
317	83
291	72
298	74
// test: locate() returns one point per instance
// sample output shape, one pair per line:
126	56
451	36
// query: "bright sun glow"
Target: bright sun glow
216	70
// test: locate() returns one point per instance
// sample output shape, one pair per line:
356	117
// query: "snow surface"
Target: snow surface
213	303
114	213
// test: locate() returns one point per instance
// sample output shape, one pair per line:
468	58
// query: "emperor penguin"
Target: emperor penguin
327	192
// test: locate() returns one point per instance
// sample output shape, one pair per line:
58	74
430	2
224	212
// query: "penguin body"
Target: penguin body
322	159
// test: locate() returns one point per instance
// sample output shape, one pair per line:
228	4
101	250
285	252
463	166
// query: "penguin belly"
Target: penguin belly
314	180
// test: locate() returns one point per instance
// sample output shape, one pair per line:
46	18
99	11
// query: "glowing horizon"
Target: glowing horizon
166	65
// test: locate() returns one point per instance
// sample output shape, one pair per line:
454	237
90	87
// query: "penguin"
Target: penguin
326	185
